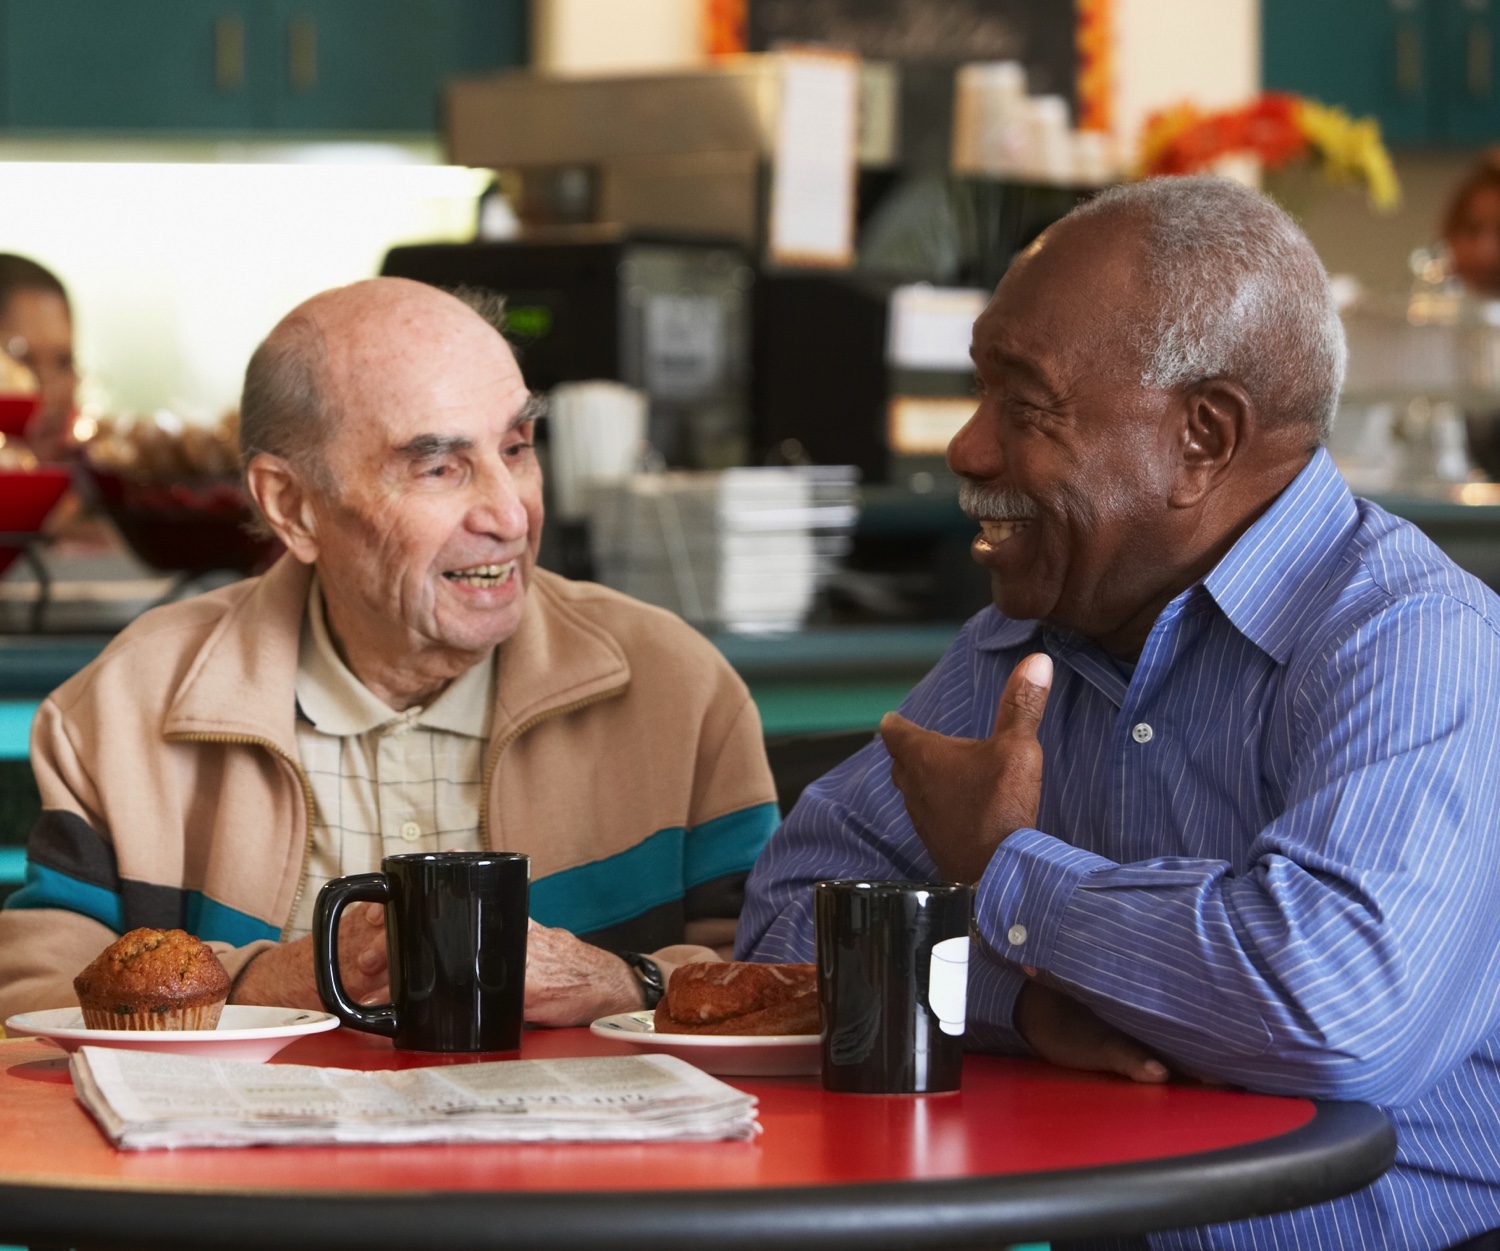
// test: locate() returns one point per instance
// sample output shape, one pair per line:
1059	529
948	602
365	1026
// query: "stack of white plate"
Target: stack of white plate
743	549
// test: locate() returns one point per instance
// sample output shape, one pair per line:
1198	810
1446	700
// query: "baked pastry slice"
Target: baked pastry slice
736	997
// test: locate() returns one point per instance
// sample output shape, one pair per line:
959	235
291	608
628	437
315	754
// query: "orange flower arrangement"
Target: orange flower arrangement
1278	128
1095	45
724	27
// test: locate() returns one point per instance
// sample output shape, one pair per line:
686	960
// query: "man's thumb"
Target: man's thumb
1139	1065
1025	696
896	731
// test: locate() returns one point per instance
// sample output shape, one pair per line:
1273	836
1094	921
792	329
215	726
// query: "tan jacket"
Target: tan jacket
625	758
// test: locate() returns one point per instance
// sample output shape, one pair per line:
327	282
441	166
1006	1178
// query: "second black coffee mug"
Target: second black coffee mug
892	985
455	932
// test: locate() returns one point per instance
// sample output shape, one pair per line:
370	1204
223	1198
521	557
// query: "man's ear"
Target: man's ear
1216	423
285	502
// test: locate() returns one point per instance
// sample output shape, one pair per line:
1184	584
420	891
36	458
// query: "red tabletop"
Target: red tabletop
1023	1152
1011	1117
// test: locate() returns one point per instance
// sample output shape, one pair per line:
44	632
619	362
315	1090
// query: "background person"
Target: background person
1471	234
1471	230
36	328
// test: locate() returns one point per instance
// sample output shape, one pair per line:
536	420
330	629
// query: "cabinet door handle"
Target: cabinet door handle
229	52
1478	52
1408	60
302	53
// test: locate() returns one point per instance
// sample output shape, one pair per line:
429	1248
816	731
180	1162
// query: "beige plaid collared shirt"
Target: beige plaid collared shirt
385	782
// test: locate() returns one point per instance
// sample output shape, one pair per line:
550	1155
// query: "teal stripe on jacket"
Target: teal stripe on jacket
588	897
210	920
214	922
47	888
656	871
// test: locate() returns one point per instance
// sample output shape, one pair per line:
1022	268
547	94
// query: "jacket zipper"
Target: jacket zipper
311	803
491	764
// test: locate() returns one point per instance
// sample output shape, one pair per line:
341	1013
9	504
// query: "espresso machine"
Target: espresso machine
667	316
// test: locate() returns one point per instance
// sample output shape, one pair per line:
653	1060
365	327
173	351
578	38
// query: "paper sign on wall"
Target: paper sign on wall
814	164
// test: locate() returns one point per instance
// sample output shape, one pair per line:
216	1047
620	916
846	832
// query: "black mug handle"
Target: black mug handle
332	900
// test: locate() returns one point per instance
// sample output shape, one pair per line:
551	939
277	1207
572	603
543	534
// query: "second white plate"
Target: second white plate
726	1055
249	1034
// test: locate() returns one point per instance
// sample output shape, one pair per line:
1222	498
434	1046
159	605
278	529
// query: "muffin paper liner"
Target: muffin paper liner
205	1016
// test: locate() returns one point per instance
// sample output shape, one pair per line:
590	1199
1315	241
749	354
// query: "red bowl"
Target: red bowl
16	411
26	497
185	527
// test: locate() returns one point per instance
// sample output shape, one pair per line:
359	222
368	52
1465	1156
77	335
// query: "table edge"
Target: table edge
1343	1148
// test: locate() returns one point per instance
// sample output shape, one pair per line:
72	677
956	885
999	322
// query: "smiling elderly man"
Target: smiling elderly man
405	679
1225	764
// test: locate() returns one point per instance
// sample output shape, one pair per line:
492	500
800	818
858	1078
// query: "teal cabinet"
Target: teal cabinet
1469	104
380	64
215	66
1425	68
1368	56
145	65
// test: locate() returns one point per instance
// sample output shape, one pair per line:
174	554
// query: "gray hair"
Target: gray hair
490	305
285	407
1242	296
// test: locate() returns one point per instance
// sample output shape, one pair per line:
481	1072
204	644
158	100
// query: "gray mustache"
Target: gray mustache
987	503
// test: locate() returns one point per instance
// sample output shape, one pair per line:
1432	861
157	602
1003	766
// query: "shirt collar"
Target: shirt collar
1267	581
467	702
997	631
338	703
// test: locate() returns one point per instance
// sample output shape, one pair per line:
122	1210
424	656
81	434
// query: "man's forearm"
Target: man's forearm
41	951
1206	969
274	977
714	933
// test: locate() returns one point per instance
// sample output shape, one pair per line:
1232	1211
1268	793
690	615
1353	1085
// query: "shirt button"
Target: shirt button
411	831
1141	733
1016	935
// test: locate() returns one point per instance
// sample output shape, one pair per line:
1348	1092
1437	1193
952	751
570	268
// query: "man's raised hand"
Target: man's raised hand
965	796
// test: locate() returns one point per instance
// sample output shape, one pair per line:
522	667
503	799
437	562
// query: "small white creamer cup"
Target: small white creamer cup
948	983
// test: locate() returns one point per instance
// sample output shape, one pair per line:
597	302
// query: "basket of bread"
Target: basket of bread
173	489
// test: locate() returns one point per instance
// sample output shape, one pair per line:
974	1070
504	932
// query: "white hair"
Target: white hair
1242	295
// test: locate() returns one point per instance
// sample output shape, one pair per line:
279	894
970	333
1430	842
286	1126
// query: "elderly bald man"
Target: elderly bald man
405	679
1223	761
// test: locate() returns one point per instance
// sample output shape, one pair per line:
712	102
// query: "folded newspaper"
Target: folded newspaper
145	1099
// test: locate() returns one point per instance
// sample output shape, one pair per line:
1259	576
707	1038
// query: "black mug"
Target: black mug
455	932
892	985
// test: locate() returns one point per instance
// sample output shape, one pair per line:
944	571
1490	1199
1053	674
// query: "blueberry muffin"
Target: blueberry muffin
153	979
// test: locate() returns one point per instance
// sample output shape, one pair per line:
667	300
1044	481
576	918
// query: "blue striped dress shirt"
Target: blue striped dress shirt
1272	852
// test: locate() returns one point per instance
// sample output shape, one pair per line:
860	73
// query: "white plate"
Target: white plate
249	1034
728	1055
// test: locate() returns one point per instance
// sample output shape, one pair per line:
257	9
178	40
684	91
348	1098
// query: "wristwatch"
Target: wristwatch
648	973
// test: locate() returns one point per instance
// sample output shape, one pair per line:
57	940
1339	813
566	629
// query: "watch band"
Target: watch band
648	973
